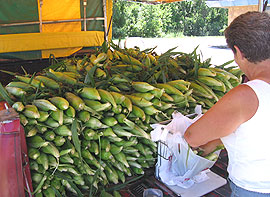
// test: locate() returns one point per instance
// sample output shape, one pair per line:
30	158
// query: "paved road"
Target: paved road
209	47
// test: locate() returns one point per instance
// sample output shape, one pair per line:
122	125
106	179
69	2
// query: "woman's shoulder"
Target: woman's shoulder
242	98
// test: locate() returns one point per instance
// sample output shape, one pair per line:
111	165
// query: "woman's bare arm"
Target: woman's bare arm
233	109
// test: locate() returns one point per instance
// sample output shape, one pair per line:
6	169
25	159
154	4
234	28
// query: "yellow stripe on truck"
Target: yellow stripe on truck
48	41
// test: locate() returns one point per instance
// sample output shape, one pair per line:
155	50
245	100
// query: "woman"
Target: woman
240	119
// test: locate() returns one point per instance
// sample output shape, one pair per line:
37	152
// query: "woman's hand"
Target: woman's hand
210	146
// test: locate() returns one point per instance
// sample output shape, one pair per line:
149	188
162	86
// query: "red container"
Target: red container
25	162
13	155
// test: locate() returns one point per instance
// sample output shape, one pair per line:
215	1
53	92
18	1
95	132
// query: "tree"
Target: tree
191	18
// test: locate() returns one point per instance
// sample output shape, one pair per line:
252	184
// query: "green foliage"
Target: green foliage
189	18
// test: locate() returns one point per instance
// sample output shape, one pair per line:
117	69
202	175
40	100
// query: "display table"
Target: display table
215	186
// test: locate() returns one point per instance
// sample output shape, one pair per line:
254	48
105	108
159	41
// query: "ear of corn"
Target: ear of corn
101	57
166	97
121	132
36	141
72	74
31	111
208	89
123	57
225	80
123	87
70	112
174	63
84	116
221	88
44	105
95	123
138	112
18	106
116	149
90	134
182	104
59	102
97	106
142	86
117	110
147	95
99	73
206	72
59	141
109	121
131	68
227	74
168	88
152	58
75	101
119	98
117	78
234	82
150	110
32	121
58	115
51	149
147	61
107	97
139	101
49	135
127	103
92	58
109	132
164	106
207	102
122	158
33	153
59	76
114	89
181	81
22	85
191	99
115	54
91	159
89	93
18	92
134	61
109	54
43	116
28	80
120	118
138	131
112	177
177	98
43	160
23	120
179	86
200	91
158	92
94	148
209	81
105	145
36	177
66	159
50	83
52	123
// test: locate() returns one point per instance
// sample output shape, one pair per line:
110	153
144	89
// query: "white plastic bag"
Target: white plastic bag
177	164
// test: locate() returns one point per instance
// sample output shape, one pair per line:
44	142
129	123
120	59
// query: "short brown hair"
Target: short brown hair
250	32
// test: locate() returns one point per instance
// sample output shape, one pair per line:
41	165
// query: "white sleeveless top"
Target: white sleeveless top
248	146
